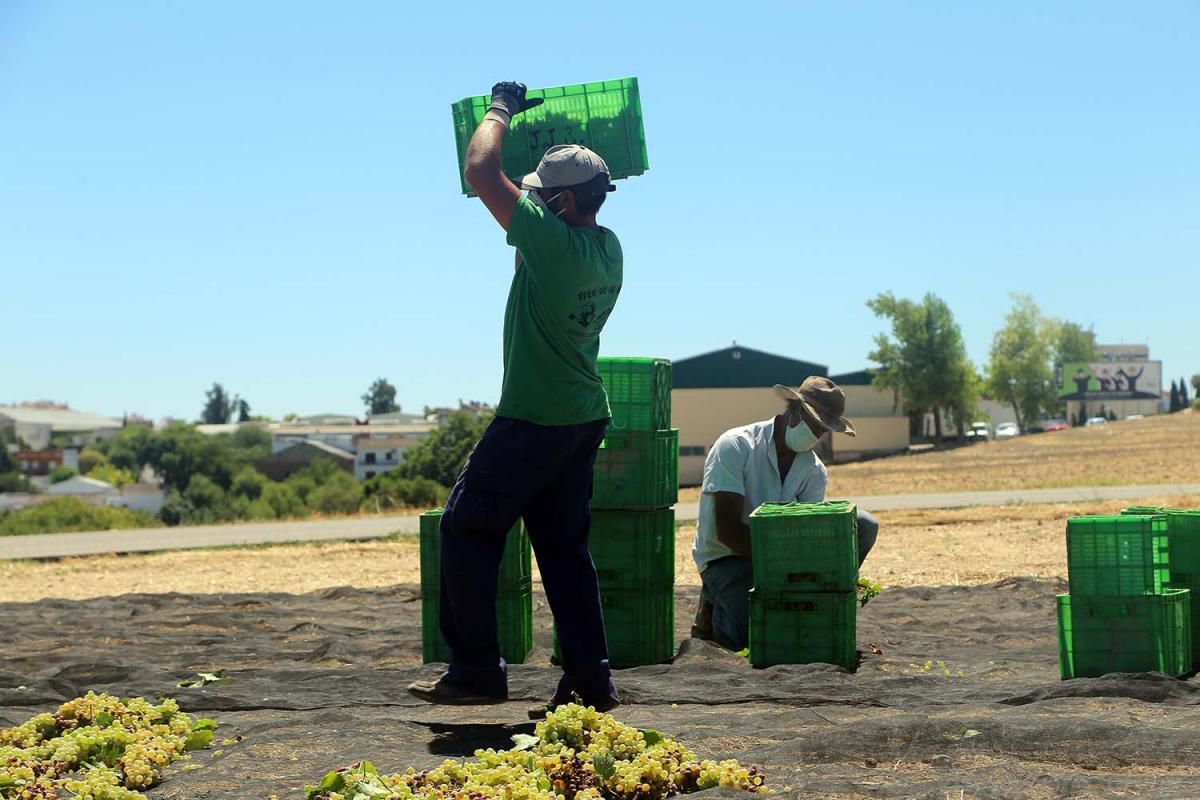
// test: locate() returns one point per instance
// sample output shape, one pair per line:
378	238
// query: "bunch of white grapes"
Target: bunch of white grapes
97	747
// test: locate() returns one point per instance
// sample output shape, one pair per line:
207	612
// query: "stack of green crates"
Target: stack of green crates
1122	614
514	596
804	607
1183	549
633	525
604	116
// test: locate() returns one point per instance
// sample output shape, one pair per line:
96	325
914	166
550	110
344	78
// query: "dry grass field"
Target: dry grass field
936	547
1155	450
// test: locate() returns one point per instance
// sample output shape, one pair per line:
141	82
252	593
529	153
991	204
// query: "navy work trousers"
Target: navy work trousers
542	474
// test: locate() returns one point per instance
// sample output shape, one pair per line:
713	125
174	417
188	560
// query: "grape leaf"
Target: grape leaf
198	740
604	765
523	741
332	782
652	737
744	653
104	719
204	725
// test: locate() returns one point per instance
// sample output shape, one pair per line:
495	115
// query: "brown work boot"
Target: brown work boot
702	624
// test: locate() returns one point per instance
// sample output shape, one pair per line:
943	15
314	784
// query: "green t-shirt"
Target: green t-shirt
561	295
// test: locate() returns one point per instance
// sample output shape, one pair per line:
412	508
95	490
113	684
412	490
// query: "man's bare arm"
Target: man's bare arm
484	172
731	531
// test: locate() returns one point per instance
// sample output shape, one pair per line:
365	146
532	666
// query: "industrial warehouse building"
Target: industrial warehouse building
716	391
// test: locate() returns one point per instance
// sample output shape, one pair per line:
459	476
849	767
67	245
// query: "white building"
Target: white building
37	425
376	448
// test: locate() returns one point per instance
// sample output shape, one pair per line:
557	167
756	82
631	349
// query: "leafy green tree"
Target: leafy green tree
1020	368
1184	400
243	410
62	514
1196	386
183	452
440	456
250	443
1174	406
925	360
90	458
218	406
249	483
380	398
132	448
62	473
113	475
1071	343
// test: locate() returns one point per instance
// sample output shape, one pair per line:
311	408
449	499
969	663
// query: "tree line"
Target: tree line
924	360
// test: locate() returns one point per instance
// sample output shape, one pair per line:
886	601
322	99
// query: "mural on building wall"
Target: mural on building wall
1109	380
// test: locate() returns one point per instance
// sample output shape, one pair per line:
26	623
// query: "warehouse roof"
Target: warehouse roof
63	420
738	367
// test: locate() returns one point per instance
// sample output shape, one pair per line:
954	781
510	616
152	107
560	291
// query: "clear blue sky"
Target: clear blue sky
265	194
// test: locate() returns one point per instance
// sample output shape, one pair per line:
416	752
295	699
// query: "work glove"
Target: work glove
509	98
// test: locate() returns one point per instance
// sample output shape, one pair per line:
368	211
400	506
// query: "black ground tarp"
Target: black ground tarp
317	682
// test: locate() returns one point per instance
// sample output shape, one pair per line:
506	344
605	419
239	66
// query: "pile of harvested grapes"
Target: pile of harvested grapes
576	754
96	747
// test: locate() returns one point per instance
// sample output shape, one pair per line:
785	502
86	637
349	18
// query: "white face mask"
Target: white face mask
537	200
799	438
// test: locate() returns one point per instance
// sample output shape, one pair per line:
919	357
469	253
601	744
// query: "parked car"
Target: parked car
1095	421
979	432
1055	425
1006	430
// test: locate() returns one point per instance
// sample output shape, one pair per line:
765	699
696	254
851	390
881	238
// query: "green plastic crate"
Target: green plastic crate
637	470
1117	555
516	567
1134	633
805	547
803	628
605	116
639	392
633	550
514	597
639	627
514	621
1142	510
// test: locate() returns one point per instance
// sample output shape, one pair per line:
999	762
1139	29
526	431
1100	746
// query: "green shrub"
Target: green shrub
62	473
249	483
72	514
389	490
176	510
14	482
283	501
112	474
90	458
339	494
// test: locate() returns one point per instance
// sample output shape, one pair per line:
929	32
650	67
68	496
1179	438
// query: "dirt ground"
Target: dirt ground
939	547
1156	450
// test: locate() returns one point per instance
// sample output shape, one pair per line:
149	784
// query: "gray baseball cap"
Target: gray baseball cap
566	165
